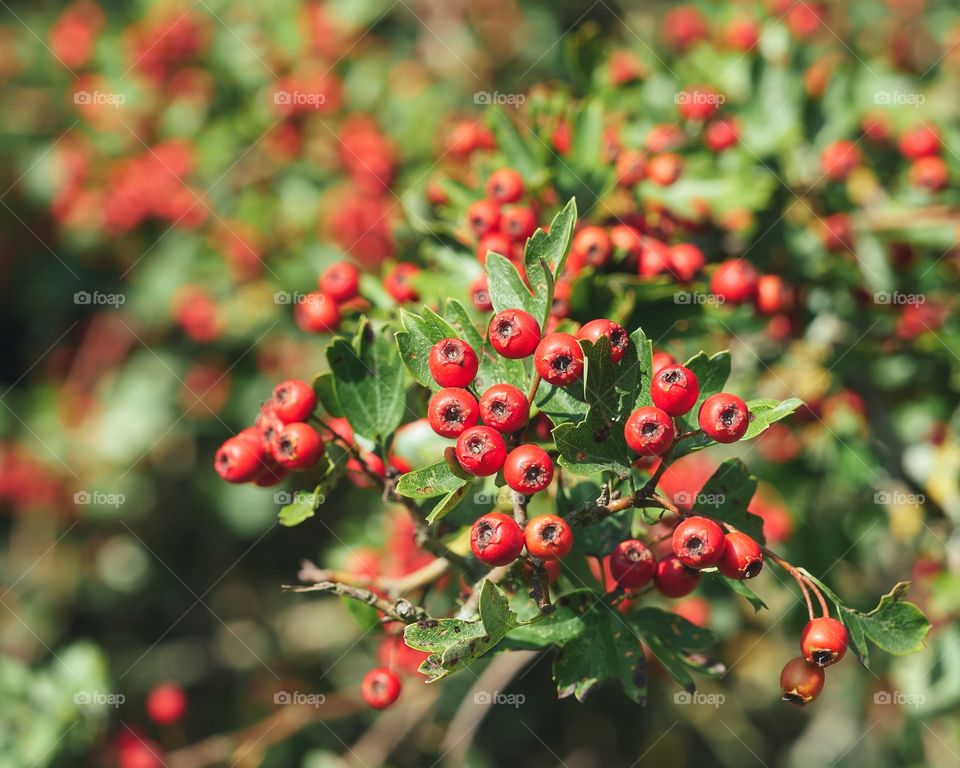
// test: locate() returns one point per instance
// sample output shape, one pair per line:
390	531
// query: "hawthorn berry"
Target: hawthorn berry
505	186
481	451
483	216
627	241
921	141
721	134
685	260
674	579
742	557
839	159
496	539
453	363
480	294
548	537
166	703
340	281
514	333
505	408
734	281
272	474
317	313
661	360
773	295
929	173
649	431
674	389
824	641
654	257
698	542
592	246
631	167
559	359
801	681
380	688
699	102
619	339
451	411
518	222
239	460
297	446
632	564
724	417
398	282
528	469
293	400
665	169
495	242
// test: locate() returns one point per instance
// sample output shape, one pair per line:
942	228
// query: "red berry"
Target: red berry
293	400
674	389
297	446
239	460
661	360
592	246
631	167
632	564
742	557
673	579
773	295
734	281
518	222
528	469
724	417
649	431
665	169
685	260
699	102
548	537
514	333
166	703
496	539
619	339
824	641
698	542
317	313
451	411
505	186
801	681
929	173
497	242
380	688
559	359
654	257
505	408
453	363
481	451
480	294
721	134
483	216
399	282
839	159
922	141
626	240
272	474
340	281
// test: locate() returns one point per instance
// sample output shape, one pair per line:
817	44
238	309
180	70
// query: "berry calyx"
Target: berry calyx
317	313
340	281
514	333
724	417
453	363
548	537
297	446
673	579
496	539
824	641
293	400
239	460
451	411
380	688
559	359
649	431
166	703
528	469
505	186
698	542
481	451
505	408
632	564
674	389
801	681
742	557
619	338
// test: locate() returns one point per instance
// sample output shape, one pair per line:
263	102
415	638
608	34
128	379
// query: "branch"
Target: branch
400	609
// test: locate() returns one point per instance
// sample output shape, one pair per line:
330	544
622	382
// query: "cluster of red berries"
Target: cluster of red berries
319	311
281	441
823	642
166	705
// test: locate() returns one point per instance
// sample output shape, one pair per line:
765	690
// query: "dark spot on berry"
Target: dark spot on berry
822	658
753	569
533	474
694	545
484	534
498	408
475	445
452	352
561	363
549	533
453	414
673	376
730	415
650	429
505	328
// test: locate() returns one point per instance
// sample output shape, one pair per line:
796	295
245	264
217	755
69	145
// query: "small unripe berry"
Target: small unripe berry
824	641
559	359
675	389
724	417
453	363
619	338
514	333
317	313
548	537
801	681
649	431
380	688
166	703
528	469
742	557
239	460
481	451
293	400
505	186
505	408
297	446
632	564
734	281
496	539
673	579
698	542
451	411
483	216
340	281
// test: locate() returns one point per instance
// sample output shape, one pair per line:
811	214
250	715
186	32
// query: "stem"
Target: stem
400	610
540	586
520	508
534	387
805	584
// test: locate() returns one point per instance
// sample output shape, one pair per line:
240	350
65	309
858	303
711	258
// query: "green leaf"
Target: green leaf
436	480
556	628
668	635
763	413
448	503
592	446
417	339
493	369
545	256
711	372
507	289
641	350
519	152
302	508
725	497
366	616
740	587
324	387
562	404
369	381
